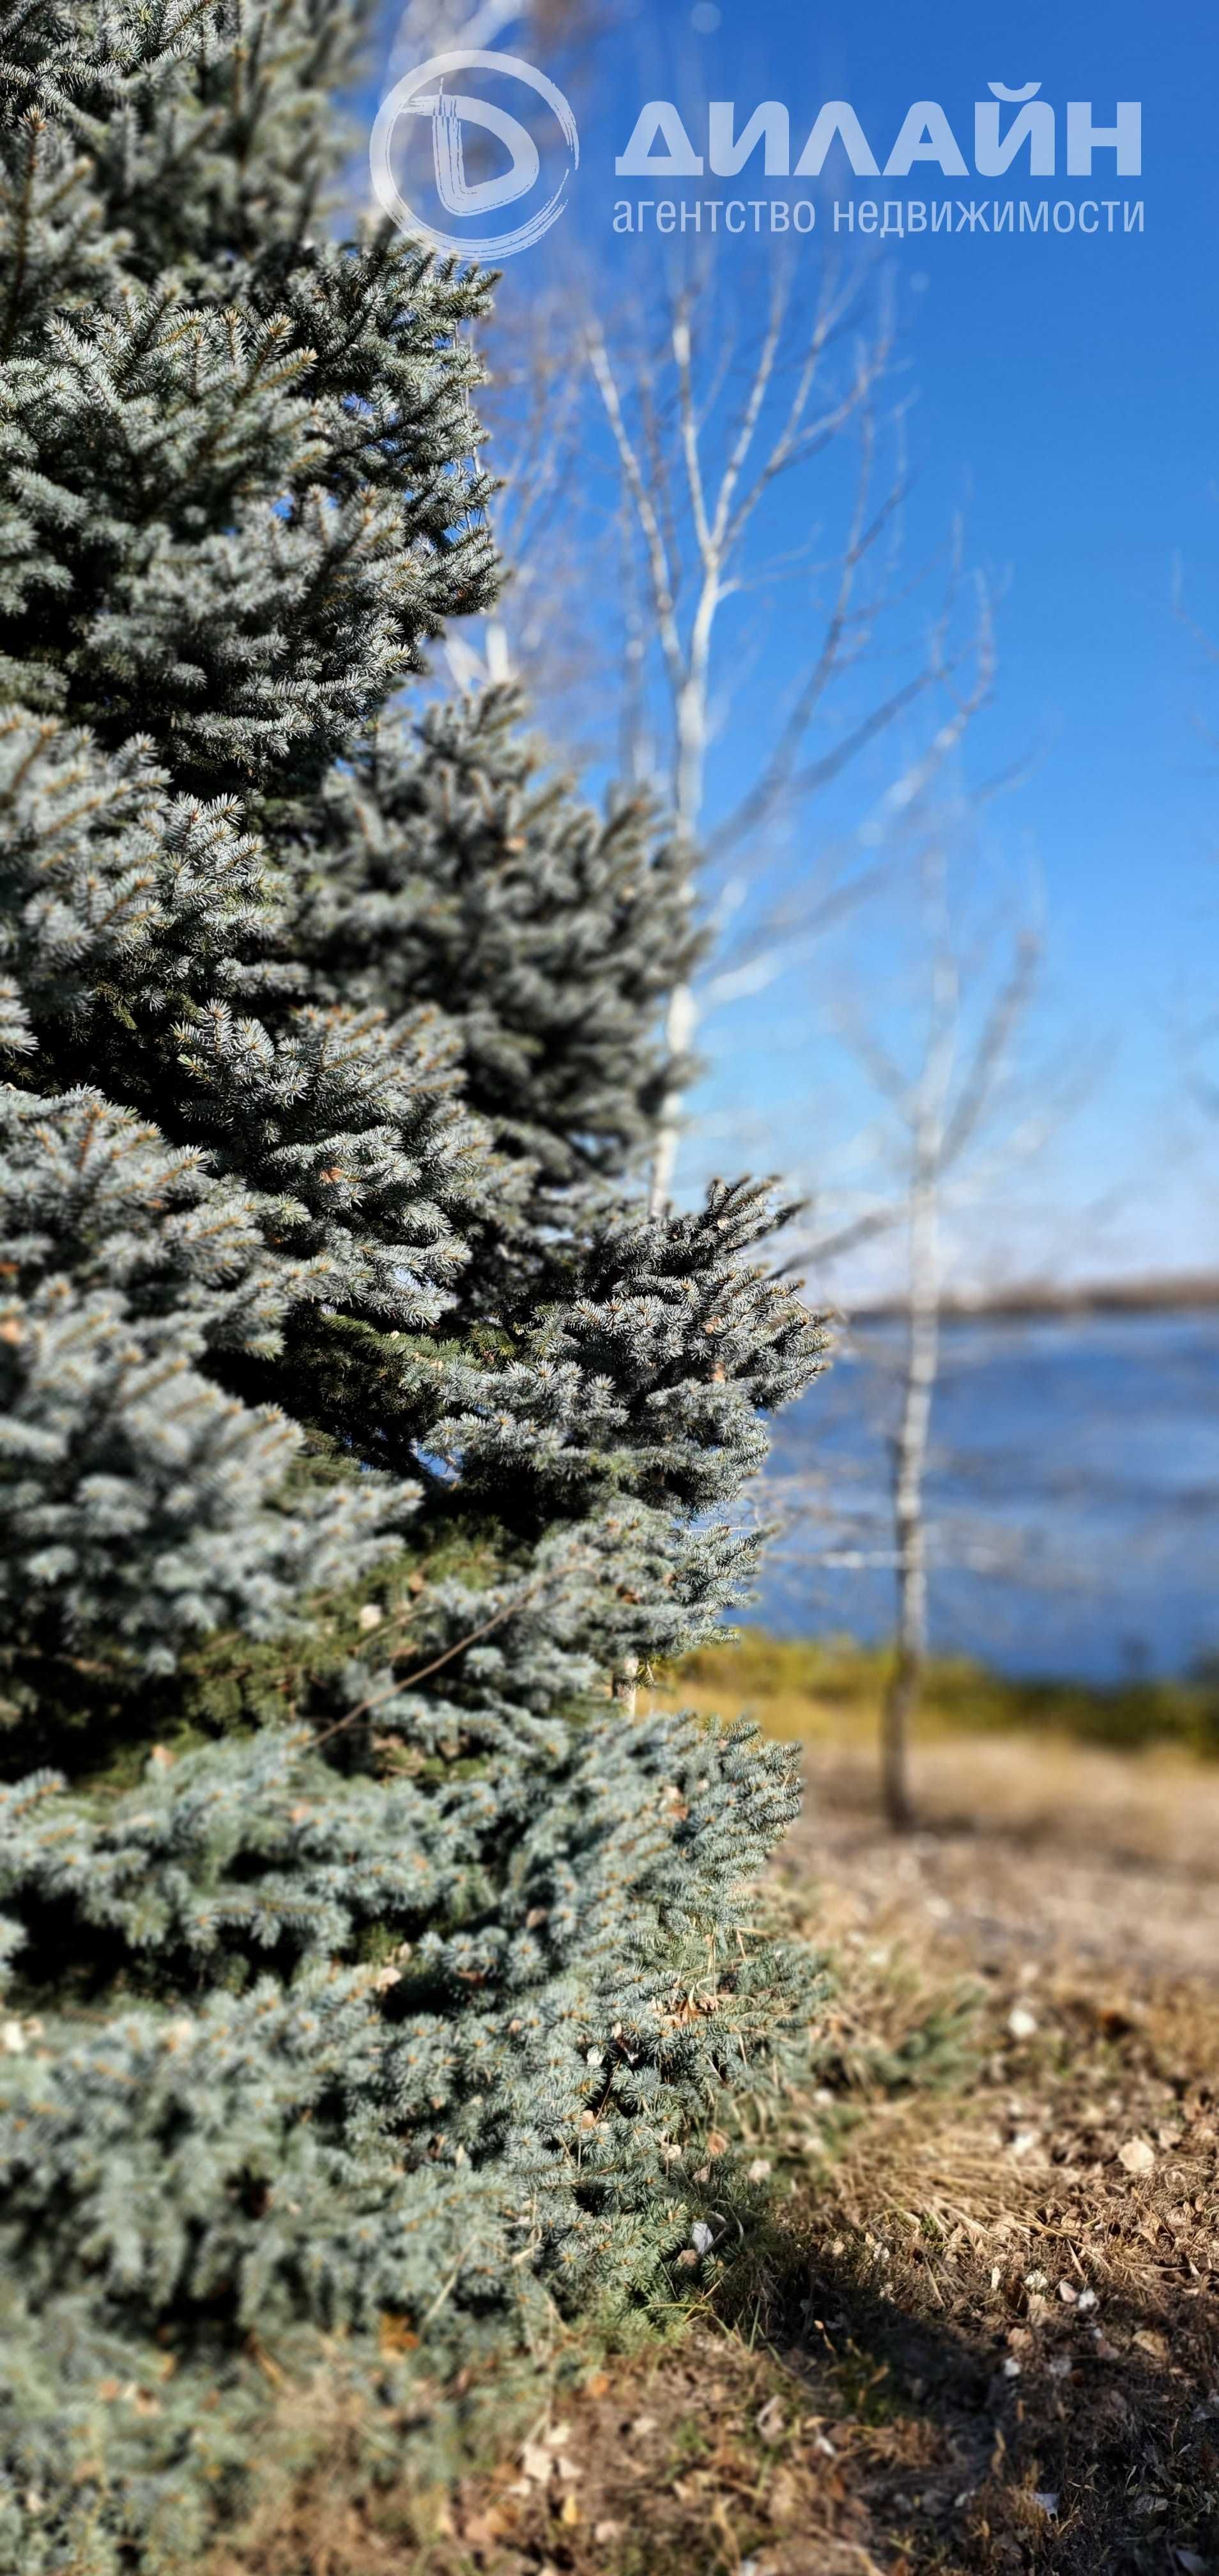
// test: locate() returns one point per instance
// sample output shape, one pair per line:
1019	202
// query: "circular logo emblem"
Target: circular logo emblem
423	94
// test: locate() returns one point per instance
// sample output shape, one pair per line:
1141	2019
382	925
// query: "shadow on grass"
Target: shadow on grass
1084	2439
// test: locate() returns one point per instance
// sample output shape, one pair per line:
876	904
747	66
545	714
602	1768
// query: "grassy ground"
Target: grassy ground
817	1688
982	2333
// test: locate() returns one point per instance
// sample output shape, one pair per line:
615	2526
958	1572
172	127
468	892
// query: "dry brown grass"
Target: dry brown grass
1026	1838
1041	1848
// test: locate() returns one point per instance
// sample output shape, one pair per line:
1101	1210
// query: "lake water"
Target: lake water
1073	1498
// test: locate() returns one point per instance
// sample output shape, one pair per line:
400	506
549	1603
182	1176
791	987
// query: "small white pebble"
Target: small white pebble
1021	2022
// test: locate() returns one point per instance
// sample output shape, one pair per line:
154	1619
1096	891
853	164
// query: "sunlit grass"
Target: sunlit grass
830	1690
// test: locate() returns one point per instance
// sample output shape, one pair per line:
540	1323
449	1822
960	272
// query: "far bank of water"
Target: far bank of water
1073	1496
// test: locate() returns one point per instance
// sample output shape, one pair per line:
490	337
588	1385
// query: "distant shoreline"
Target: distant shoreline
1193	1294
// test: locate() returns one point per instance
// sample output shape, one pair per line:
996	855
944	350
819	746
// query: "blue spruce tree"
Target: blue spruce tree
372	1968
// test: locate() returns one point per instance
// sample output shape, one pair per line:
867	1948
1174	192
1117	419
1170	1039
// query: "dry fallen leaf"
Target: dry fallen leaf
768	2422
783	2500
482	2530
1136	2156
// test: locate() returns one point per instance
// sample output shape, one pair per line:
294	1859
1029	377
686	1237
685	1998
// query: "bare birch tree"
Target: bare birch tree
960	1104
724	435
709	431
944	1109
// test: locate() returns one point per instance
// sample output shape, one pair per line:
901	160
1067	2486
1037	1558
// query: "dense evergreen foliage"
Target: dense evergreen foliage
372	1966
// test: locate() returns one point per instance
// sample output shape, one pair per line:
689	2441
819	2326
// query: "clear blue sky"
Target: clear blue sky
1067	394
